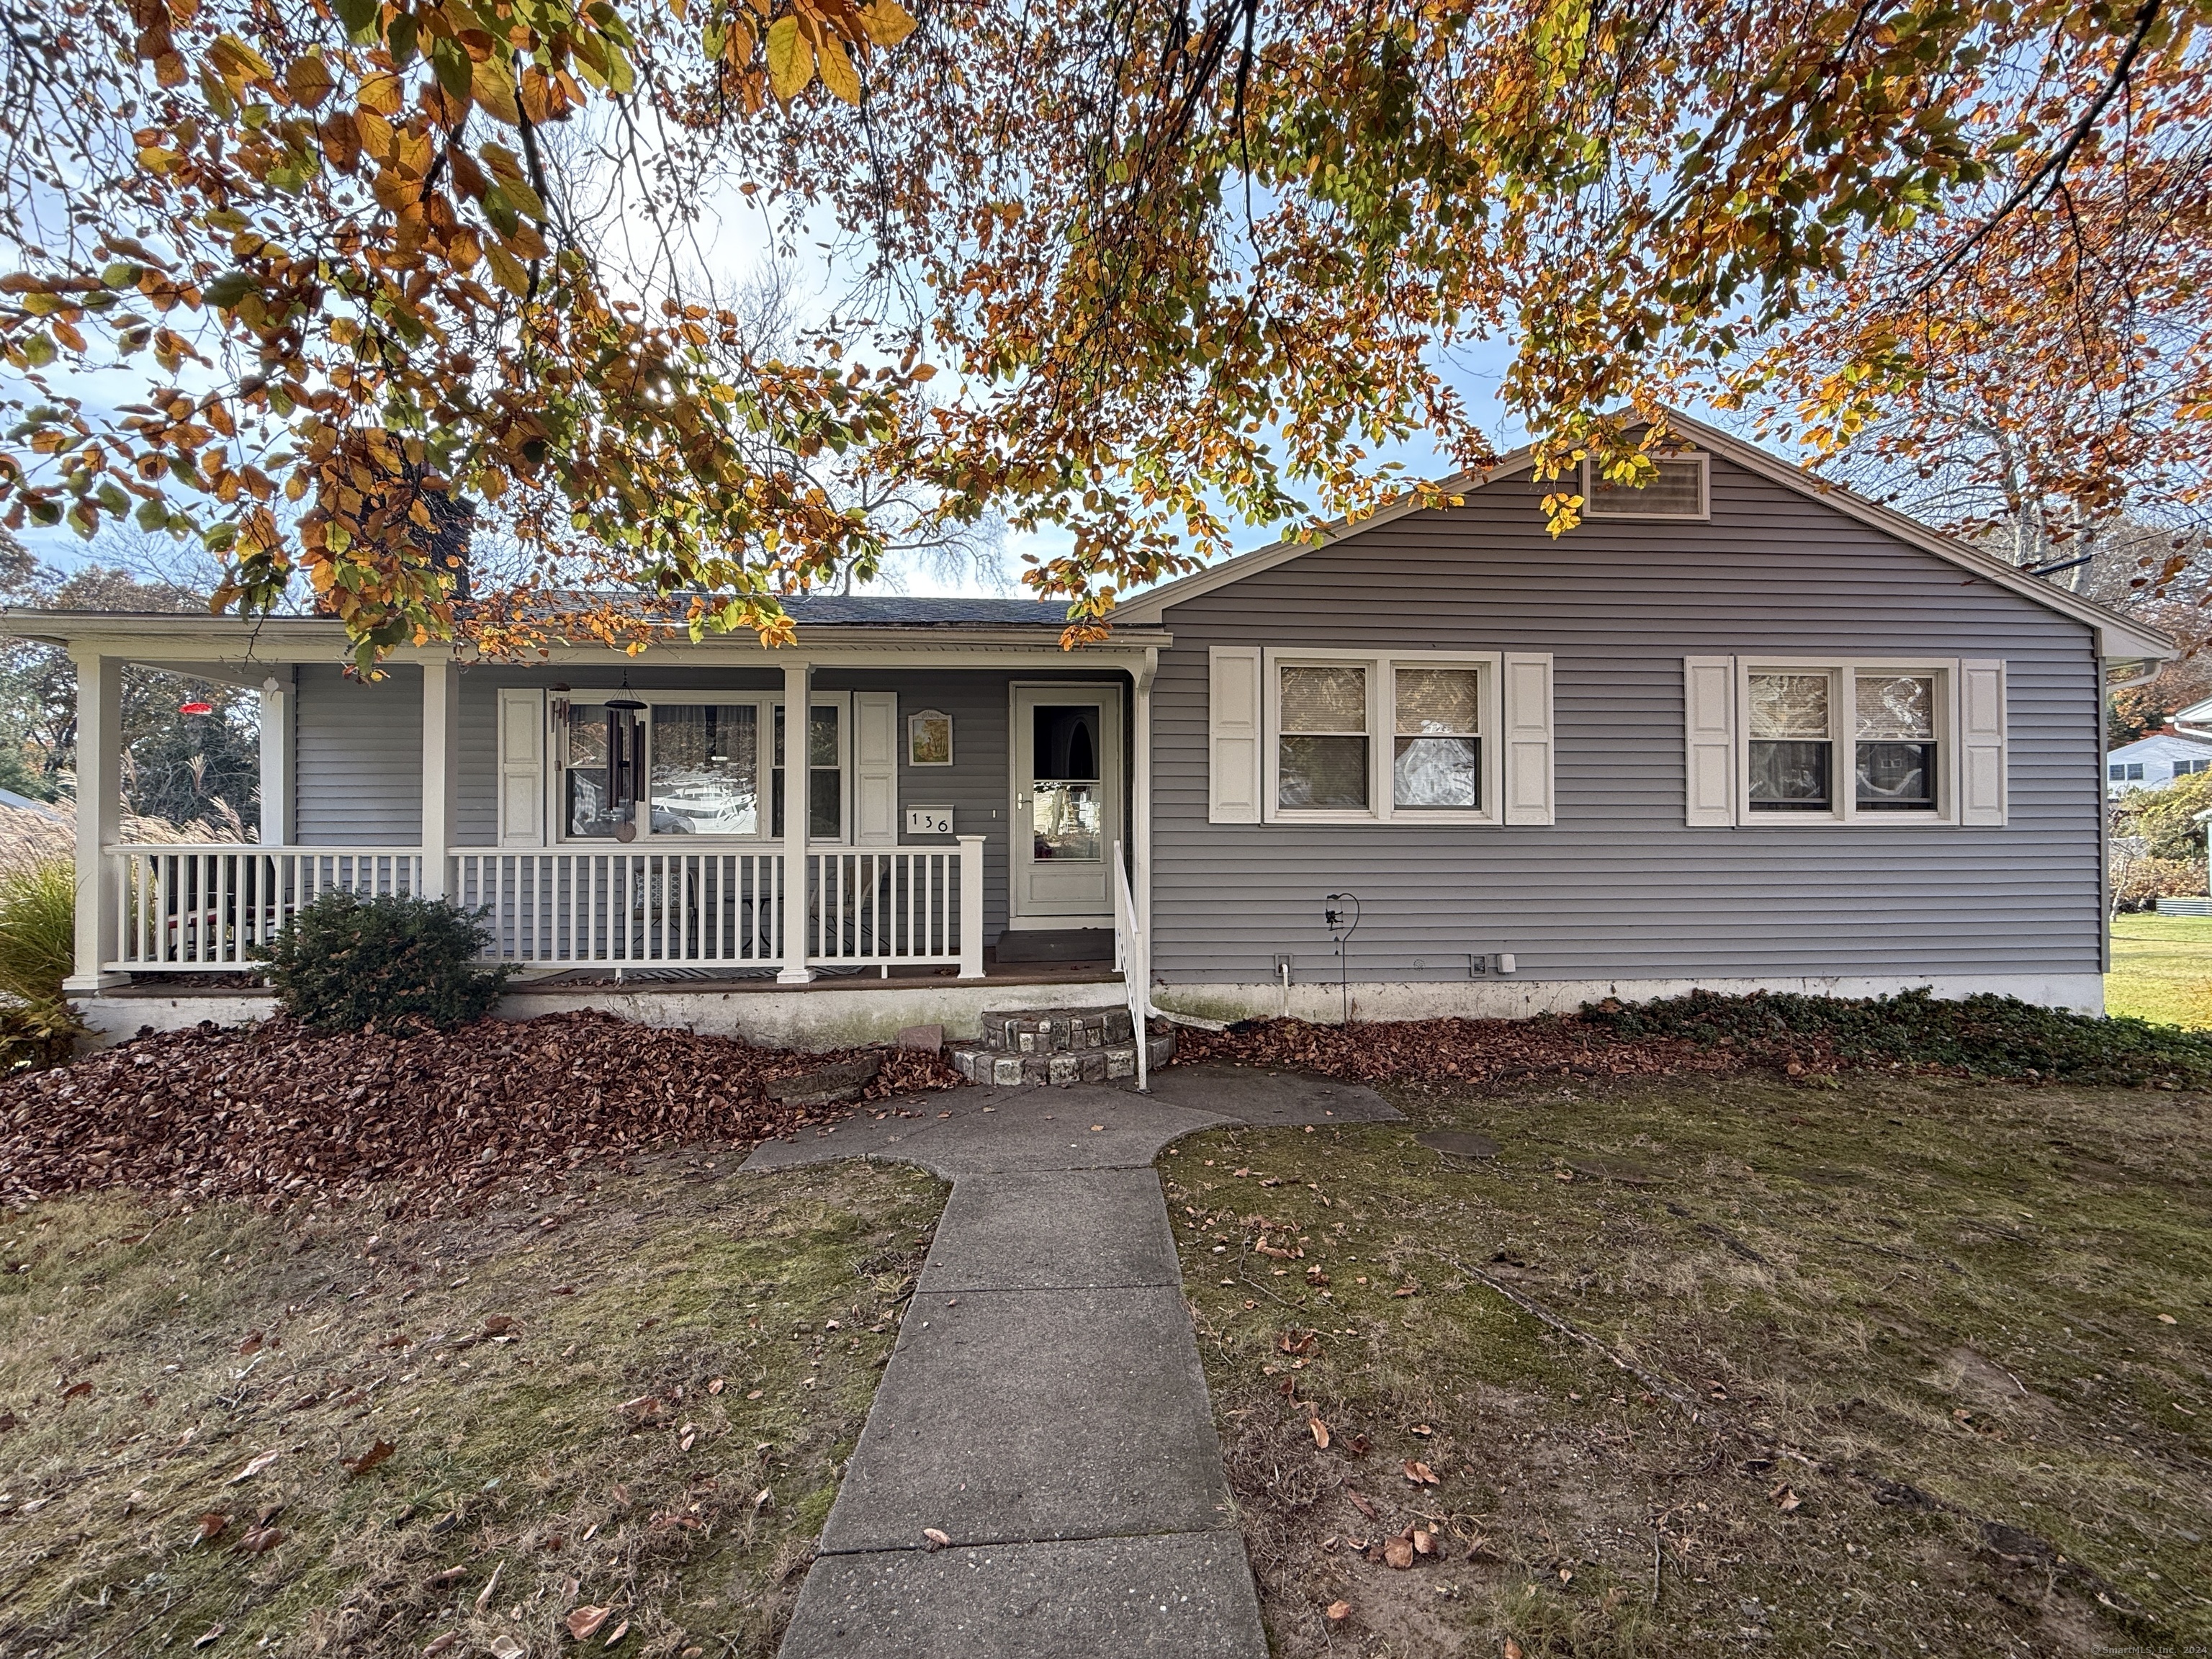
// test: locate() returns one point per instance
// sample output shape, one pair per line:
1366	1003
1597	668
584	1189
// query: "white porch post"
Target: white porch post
798	689
971	907
276	760
99	818
442	710
1140	813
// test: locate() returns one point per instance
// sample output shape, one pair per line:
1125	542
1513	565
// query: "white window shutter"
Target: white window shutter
1233	756
1709	733
1527	737
521	766
875	768
1981	743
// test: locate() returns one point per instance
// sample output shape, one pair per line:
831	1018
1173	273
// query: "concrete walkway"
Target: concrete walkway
1045	1407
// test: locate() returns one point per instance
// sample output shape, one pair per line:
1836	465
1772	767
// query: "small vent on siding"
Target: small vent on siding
1679	492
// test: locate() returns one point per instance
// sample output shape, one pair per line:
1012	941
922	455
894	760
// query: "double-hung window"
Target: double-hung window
1865	741
1380	738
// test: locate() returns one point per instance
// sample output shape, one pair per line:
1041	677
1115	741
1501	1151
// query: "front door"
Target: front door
1067	804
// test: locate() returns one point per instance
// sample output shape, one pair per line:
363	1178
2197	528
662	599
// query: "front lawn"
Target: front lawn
2161	968
1919	1366
325	1433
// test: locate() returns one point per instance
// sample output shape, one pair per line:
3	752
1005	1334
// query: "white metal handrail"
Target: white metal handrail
1132	960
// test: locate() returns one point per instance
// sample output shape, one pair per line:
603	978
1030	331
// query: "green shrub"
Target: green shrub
1981	1035
344	963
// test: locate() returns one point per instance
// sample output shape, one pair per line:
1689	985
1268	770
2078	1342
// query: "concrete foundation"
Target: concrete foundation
1504	997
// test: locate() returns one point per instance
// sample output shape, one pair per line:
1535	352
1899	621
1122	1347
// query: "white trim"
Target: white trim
1698	458
2116	635
1492	737
1843	703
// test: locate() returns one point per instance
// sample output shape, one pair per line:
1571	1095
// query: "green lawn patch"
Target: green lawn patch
1907	1365
2161	968
633	1397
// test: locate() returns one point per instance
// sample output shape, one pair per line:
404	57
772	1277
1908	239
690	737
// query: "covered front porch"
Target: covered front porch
969	798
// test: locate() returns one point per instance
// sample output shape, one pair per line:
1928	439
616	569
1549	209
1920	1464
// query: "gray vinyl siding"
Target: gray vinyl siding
1618	887
358	762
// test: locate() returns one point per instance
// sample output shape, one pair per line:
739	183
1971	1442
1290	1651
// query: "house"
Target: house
1734	731
2155	759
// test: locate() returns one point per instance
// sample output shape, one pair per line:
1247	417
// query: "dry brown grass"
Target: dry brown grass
1936	1409
147	1356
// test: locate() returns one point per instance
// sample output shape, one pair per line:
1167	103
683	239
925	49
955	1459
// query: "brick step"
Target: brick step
979	1063
1048	1030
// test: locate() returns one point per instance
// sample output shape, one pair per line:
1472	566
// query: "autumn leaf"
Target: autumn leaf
210	1527
308	80
886	22
1364	1504
1397	1554
935	1539
492	84
369	1459
256	1465
1421	1474
1320	1432
261	1540
1338	1612
790	58
584	1623
836	69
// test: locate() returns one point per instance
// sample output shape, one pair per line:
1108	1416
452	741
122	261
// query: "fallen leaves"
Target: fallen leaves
1421	1474
312	1115
934	1539
584	1623
1338	1612
210	1527
261	1540
1784	1497
1364	1503
369	1459
1320	1432
256	1465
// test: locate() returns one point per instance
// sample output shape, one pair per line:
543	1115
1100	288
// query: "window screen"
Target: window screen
1322	751
1792	744
1433	764
1895	749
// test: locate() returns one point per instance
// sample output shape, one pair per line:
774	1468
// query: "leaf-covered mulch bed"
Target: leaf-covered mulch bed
277	1113
1808	1038
1477	1051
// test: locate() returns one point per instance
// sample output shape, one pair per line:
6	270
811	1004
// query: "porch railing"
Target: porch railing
626	909
195	908
201	908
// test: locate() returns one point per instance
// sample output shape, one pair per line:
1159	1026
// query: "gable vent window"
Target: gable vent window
1679	492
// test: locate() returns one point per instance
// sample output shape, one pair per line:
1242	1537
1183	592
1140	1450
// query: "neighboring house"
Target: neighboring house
1734	731
2152	762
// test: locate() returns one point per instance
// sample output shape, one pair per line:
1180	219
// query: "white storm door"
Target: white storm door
1067	764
